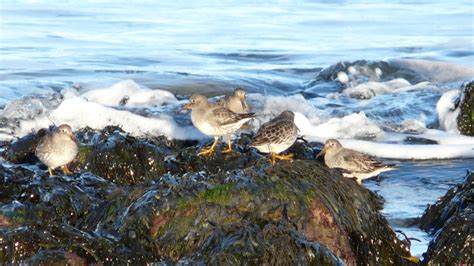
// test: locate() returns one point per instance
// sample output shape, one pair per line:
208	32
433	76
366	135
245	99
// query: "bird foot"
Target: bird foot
66	171
274	157
206	152
50	170
245	127
288	157
228	150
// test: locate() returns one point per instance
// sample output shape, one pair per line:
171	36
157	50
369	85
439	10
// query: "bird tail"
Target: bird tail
248	115
390	166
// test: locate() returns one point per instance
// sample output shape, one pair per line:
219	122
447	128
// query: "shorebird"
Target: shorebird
214	120
353	163
276	136
235	102
57	149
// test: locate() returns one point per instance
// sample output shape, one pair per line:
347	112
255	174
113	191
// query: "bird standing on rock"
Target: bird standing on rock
355	164
214	120
276	136
58	148
236	102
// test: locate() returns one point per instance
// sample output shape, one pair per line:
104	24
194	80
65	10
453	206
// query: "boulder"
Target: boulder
465	117
144	200
451	221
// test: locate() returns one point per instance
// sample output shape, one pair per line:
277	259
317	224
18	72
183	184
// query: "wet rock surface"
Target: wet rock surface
466	115
451	221
141	200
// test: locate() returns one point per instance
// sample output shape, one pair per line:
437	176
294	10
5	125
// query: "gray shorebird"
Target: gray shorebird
276	136
236	102
214	120
57	149
353	163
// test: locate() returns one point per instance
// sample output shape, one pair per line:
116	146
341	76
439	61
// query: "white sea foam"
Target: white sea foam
97	108
128	93
370	89
448	112
450	145
436	71
80	113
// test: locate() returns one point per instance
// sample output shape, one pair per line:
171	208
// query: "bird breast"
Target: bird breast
57	151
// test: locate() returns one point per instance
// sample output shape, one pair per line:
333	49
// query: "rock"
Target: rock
417	140
121	158
150	199
365	70
23	150
465	118
451	221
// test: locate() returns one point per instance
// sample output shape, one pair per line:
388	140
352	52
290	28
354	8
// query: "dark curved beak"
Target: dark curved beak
185	107
322	152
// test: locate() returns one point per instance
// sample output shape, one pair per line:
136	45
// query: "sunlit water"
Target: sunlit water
268	47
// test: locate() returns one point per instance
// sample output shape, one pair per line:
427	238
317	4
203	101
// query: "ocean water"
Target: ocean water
95	63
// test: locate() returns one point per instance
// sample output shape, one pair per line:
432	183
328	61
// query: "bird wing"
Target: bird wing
271	132
43	145
360	162
224	116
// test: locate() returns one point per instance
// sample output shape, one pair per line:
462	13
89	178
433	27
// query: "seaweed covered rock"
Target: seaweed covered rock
451	221
465	118
23	150
184	208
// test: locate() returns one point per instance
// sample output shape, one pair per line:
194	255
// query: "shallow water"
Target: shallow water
409	189
274	49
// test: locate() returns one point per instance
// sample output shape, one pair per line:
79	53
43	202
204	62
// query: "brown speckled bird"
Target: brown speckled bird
58	148
276	136
354	164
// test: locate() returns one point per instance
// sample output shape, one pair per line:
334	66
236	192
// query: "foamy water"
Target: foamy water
133	64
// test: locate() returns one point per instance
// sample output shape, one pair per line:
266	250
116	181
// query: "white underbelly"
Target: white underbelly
211	130
60	156
276	148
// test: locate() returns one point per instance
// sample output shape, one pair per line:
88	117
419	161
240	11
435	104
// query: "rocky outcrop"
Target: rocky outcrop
148	200
451	221
466	115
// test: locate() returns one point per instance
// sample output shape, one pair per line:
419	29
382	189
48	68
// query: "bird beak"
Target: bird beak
322	152
185	107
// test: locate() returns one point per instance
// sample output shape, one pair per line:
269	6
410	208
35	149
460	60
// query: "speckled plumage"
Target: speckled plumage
353	163
57	148
277	135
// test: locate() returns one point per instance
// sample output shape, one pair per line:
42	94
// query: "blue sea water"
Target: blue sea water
268	47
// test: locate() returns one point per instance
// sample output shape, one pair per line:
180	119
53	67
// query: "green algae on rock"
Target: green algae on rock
465	118
451	221
228	209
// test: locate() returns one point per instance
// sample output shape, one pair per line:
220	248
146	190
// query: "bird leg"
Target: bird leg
229	149
66	171
275	156
50	170
211	149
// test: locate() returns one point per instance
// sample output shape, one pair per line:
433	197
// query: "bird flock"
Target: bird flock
225	117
